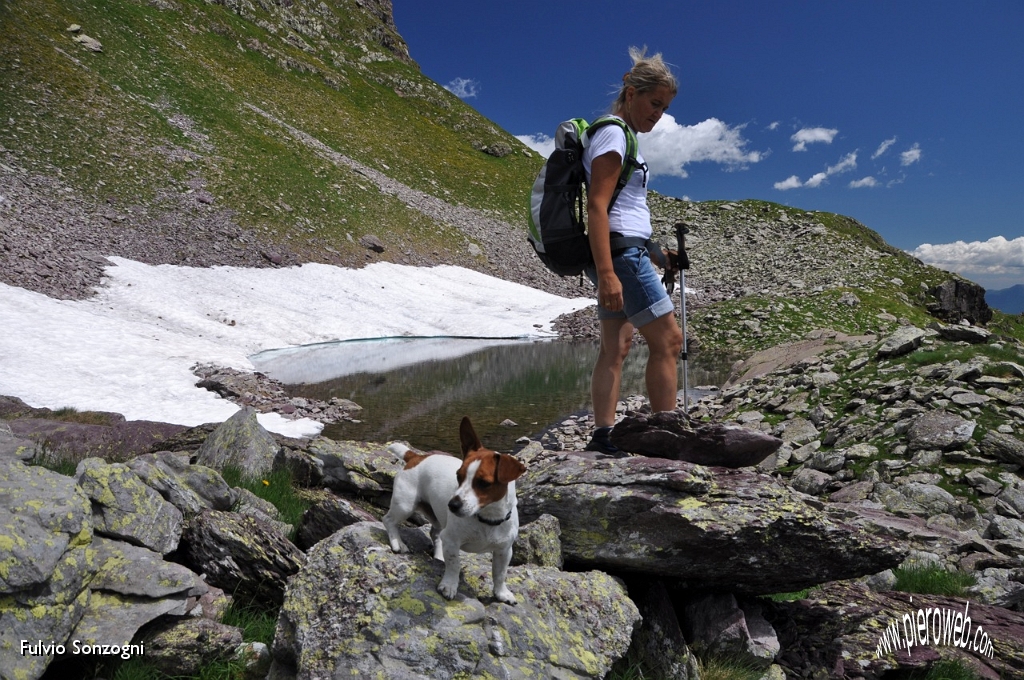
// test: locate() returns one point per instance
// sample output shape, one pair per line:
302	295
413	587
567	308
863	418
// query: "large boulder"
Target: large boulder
240	441
358	609
190	488
364	469
240	554
125	508
939	430
958	300
715	528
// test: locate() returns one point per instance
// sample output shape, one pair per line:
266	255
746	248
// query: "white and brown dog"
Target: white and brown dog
471	505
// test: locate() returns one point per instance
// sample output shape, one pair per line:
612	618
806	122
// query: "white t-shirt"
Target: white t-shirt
630	215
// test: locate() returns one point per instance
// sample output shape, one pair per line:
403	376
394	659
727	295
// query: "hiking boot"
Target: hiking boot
601	441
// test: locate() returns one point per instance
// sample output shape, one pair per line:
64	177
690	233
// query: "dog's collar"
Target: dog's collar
495	522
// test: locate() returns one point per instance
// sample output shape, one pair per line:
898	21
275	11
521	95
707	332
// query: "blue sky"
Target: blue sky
906	115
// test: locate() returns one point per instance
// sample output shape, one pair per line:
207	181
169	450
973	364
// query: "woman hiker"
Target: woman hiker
629	291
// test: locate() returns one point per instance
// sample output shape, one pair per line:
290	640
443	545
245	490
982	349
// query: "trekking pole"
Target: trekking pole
684	264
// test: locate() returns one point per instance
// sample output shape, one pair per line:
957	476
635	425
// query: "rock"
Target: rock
843	628
371	242
124	507
240	554
810	481
963	333
396	624
669	435
939	430
735	530
957	300
659	645
328	514
903	341
190	488
119	440
12	446
539	543
88	42
353	467
242	442
185	647
716	625
132	570
1003	447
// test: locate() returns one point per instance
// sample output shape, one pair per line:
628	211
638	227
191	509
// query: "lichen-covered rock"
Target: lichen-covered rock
133	570
45	563
358	609
185	647
125	508
242	442
735	530
190	488
841	628
327	514
13	446
117	439
539	543
240	554
356	467
1003	447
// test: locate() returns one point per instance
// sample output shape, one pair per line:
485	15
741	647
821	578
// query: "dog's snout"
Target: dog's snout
455	504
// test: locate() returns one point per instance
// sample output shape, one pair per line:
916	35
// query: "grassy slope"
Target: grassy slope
169	100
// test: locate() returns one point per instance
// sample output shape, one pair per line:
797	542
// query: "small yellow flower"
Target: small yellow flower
266	483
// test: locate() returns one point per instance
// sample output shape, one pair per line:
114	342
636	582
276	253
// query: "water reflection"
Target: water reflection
404	396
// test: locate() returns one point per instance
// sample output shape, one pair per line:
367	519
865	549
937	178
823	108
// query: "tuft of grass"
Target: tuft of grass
728	667
256	619
945	670
277	487
933	580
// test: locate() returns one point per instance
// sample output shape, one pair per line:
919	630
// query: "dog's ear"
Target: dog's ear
467	435
509	468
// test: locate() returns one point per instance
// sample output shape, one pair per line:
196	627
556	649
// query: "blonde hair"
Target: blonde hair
648	73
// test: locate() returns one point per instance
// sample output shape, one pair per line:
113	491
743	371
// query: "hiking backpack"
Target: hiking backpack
558	230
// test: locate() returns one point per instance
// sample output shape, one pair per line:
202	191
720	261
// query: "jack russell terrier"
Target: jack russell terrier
471	505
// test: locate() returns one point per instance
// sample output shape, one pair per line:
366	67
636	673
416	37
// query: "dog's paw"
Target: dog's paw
505	595
448	589
399	546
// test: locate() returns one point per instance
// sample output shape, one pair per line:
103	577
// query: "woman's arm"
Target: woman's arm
604	175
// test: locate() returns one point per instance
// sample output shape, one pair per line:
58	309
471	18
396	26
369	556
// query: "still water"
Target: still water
418	389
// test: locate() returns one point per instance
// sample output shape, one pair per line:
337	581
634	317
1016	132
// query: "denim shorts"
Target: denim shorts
644	298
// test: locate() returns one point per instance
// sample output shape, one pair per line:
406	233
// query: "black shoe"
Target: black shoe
601	441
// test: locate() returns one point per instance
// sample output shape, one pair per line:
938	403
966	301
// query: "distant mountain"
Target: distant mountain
1008	300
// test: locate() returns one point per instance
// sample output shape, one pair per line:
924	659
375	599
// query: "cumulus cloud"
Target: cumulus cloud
671	146
995	263
806	136
911	155
816	180
883	147
791	182
774	125
868	181
541	143
463	88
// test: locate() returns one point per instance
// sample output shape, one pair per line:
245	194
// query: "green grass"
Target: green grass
933	580
727	667
277	487
256	620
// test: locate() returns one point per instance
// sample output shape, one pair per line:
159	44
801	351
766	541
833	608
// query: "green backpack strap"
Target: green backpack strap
629	163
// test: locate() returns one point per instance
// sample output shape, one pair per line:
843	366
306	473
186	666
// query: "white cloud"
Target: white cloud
911	155
463	88
866	182
816	135
774	125
845	164
883	147
816	180
540	142
995	263
791	182
670	146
